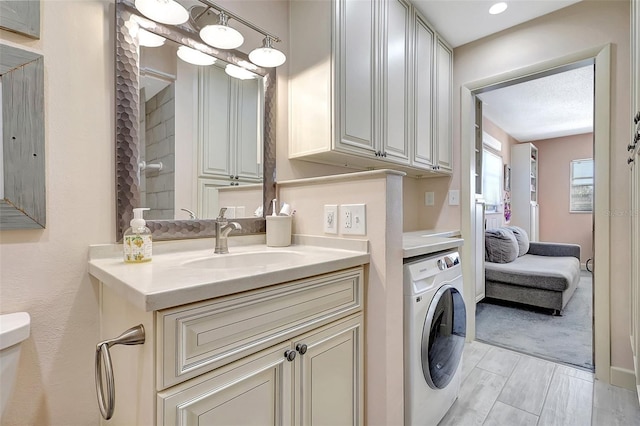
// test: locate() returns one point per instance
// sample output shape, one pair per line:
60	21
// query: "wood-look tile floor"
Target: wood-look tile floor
506	388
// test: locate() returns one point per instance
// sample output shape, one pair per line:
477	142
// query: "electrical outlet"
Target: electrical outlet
429	199
454	197
353	219
330	219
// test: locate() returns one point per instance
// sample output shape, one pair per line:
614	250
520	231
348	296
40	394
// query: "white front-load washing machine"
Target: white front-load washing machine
434	335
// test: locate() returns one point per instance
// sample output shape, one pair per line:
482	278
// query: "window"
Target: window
581	191
492	181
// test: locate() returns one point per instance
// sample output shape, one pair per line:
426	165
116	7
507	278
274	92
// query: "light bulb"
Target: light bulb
221	35
266	56
149	39
498	8
238	72
195	57
164	11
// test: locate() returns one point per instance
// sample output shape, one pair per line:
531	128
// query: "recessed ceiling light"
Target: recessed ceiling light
498	8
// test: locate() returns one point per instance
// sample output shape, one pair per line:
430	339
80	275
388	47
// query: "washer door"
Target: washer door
443	337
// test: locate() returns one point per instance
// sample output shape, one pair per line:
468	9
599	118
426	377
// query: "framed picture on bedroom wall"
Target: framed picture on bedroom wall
507	177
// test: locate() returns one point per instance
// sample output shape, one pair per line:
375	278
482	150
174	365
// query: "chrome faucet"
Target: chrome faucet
223	228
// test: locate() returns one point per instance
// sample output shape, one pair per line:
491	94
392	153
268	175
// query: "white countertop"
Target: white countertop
168	281
418	243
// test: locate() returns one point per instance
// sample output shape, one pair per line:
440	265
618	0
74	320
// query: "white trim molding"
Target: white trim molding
601	57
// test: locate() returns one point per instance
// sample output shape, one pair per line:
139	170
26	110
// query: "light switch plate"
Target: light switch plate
429	198
454	197
330	219
353	219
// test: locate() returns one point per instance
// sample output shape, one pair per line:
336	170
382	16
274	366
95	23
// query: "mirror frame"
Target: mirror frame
127	105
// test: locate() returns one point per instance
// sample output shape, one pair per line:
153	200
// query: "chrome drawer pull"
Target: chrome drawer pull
133	336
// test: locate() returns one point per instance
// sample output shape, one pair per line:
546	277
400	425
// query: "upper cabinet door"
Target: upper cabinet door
249	130
423	152
356	59
214	127
395	81
443	134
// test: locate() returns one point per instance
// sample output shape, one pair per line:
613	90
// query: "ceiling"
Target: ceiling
462	21
548	107
544	108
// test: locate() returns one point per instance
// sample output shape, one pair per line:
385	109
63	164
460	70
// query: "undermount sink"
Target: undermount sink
249	260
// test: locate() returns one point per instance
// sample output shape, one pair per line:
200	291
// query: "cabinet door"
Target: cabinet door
214	122
248	150
443	89
255	390
395	81
423	152
329	375
355	26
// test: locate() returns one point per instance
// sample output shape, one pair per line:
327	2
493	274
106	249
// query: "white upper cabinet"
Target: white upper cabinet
444	92
395	81
423	149
356	76
360	92
229	126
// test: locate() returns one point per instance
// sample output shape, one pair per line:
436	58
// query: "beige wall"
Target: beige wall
554	175
581	26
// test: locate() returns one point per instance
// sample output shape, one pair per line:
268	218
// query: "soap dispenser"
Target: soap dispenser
137	239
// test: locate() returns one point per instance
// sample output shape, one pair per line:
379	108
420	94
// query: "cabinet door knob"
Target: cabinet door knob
290	355
302	348
631	147
236	177
384	154
630	160
636	119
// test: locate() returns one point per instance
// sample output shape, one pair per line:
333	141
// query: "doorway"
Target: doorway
601	57
537	174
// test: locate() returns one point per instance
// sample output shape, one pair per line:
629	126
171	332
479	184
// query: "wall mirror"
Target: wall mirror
190	139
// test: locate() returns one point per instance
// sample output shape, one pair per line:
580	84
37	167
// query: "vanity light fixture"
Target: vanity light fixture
163	11
149	39
266	56
239	72
194	56
498	8
221	35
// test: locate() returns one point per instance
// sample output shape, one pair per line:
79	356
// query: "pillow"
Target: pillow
522	238
500	245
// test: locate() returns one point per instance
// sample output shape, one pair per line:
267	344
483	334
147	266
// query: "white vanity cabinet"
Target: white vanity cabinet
229	126
286	354
355	68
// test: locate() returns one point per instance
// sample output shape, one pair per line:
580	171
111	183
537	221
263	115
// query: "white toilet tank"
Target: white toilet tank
14	328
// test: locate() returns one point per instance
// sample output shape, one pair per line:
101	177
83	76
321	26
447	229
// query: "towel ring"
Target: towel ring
133	336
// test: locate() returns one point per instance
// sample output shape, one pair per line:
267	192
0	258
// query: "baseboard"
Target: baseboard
623	378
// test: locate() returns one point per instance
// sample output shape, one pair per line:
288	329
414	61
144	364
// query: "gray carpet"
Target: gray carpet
566	338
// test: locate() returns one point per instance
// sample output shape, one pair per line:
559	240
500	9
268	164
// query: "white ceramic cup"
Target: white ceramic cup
279	231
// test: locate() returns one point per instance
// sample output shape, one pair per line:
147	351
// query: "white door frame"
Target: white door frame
601	57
